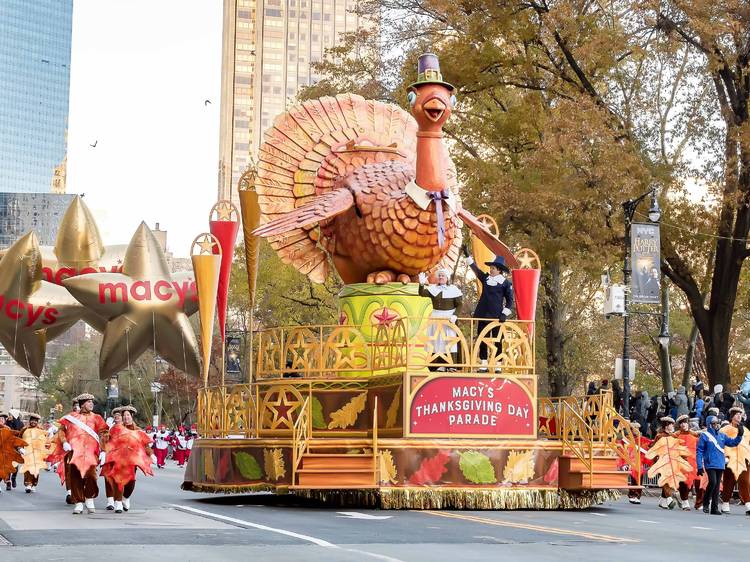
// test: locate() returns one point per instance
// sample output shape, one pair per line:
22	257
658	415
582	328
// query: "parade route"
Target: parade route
185	526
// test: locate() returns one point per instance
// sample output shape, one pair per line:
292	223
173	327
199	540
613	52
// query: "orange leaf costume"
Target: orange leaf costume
671	465
691	442
86	447
8	453
127	451
57	455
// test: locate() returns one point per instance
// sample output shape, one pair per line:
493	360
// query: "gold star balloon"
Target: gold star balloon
32	311
144	307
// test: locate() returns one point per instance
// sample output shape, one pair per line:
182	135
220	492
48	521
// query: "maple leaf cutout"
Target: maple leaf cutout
35	451
392	413
519	467
432	469
346	416
739	456
273	463
387	467
671	466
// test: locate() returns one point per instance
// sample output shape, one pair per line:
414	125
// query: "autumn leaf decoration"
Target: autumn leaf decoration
273	463
477	468
672	468
392	413
346	416
318	417
248	466
387	468
431	470
519	467
739	456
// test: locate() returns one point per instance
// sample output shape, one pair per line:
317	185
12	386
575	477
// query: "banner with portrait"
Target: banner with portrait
646	263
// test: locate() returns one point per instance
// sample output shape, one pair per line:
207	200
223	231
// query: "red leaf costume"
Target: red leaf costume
127	451
85	447
57	456
644	444
8	453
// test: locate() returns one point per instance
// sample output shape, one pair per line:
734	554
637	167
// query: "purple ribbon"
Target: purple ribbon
439	197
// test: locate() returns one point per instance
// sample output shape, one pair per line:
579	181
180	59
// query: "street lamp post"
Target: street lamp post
654	214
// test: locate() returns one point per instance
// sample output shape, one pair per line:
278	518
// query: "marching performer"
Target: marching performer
108	484
689	438
710	457
643	443
180	446
736	463
666	429
129	448
11	450
82	434
446	301
496	300
35	453
161	440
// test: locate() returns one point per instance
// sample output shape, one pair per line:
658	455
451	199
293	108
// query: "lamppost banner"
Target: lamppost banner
645	260
234	344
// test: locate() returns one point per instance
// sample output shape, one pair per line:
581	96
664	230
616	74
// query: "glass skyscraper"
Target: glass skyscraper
35	38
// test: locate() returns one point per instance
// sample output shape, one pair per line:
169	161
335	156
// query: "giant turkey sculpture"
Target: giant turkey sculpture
367	184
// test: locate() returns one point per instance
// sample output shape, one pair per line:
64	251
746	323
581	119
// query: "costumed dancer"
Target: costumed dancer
190	441
710	458
496	300
446	301
129	448
689	438
180	451
666	429
161	446
741	464
108	484
82	434
11	450
643	444
35	452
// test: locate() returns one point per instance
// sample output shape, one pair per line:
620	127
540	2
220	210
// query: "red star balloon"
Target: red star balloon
144	307
32	311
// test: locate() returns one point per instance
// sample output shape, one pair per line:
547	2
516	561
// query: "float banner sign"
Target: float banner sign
472	406
646	263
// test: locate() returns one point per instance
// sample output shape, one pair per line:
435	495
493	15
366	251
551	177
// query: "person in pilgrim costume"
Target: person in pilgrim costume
446	301
496	301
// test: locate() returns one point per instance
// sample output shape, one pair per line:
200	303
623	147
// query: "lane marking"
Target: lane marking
357	515
702	528
530	527
314	540
646	521
599	514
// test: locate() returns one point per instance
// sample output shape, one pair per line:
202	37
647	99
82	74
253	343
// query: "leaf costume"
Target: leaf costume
9	443
35	451
86	447
128	449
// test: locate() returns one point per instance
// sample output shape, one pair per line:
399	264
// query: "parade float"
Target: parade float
373	410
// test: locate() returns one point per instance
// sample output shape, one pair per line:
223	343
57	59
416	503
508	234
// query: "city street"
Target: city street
175	525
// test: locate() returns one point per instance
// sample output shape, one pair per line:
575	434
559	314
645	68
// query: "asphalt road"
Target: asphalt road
170	524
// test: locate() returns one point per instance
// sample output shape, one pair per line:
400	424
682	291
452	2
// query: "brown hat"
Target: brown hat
4	415
127	408
683	418
83	397
666	420
736	410
635	425
34	417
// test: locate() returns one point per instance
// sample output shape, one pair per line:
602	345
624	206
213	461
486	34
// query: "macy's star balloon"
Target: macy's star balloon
32	311
144	307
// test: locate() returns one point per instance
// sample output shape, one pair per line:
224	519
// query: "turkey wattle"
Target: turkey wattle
366	184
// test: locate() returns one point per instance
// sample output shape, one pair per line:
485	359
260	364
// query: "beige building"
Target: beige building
268	48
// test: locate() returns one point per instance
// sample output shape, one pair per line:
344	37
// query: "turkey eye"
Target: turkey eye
412	97
453	101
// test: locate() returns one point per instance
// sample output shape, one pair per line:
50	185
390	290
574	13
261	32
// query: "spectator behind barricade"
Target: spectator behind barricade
591	390
681	402
617	395
640	408
652	416
723	401
743	397
699	401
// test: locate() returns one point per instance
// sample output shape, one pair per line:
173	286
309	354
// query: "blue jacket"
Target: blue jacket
709	455
494	297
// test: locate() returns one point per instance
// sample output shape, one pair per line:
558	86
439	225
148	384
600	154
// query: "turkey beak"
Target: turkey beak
434	109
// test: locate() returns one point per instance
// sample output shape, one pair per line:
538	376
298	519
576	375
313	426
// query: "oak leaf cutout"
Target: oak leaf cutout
519	468
671	466
431	470
248	466
387	467
477	468
273	463
35	451
346	415
739	456
393	409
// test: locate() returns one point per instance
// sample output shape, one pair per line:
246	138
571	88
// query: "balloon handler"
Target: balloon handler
496	300
446	301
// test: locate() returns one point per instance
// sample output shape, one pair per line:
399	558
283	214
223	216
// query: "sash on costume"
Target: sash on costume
713	440
78	423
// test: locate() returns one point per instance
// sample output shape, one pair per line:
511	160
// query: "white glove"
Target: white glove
153	459
67	447
423	278
506	311
102	458
453	318
21	451
469	260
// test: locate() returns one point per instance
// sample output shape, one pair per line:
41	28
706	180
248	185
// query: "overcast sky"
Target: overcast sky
140	72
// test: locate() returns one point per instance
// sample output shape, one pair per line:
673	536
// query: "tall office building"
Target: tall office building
268	49
40	212
35	38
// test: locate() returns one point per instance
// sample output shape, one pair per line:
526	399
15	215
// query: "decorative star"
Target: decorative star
528	259
206	243
224	210
282	410
144	307
385	316
32	311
